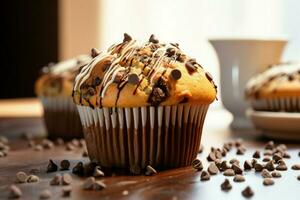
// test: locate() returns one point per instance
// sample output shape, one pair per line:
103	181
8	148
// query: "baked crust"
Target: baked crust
57	79
131	74
281	80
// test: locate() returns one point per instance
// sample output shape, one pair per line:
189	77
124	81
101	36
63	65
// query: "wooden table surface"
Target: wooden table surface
25	115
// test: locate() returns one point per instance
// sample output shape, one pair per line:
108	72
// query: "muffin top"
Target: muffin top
133	74
281	80
57	79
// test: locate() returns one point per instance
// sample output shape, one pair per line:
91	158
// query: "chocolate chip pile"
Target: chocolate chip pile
272	158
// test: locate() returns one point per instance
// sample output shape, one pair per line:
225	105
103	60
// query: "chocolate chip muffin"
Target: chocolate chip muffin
276	89
54	88
143	104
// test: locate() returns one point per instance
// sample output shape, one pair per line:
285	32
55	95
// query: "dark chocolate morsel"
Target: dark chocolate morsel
153	39
94	52
127	37
133	79
208	76
96	81
170	52
190	67
176	74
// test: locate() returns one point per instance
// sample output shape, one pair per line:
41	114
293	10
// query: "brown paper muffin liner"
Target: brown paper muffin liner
61	118
163	137
284	104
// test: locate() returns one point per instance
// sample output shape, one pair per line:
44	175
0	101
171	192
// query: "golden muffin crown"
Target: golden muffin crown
281	80
131	74
57	79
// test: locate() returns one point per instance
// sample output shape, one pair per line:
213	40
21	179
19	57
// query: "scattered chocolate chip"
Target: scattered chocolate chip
218	154
296	167
66	191
253	162
66	179
32	179
59	141
256	154
298	177
286	155
98	172
127	38
78	169
266	174
89	183
266	159
133	79
52	167
247	192
229	172
176	74
270	145
268	181
89	168
240	150
226	185
64	165
15	192
85	153
234	160
236	168
258	167
270	165
212	169
45	194
247	165
197	164
277	157
38	147
94	52
181	57
224	152
70	146
21	177
153	39
281	166
150	171
211	156
276	174
190	67
239	178
135	170
99	185
223	166
47	144
204	176
56	180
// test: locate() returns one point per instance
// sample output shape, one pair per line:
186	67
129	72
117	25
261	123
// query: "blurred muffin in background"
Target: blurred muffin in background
276	89
143	104
54	88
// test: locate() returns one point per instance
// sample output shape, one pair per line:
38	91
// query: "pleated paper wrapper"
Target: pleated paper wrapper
285	104
163	137
61	117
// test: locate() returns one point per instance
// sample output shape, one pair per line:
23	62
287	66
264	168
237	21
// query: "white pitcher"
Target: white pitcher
240	59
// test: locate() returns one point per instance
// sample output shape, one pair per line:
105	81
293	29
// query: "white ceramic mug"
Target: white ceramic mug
240	59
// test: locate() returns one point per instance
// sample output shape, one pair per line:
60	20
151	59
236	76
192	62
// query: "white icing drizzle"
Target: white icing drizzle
260	79
127	51
69	65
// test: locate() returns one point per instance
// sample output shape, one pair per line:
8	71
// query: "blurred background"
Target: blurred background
39	32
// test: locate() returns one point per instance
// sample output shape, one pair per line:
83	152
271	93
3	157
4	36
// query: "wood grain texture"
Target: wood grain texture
181	183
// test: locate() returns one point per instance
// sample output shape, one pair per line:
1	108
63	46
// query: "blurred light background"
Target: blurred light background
39	32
